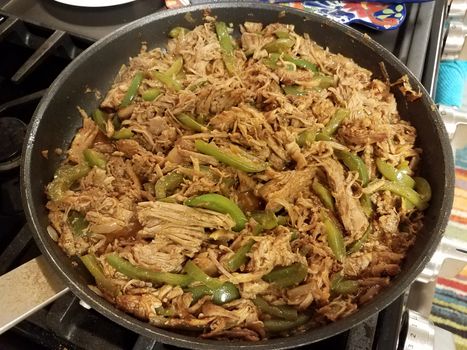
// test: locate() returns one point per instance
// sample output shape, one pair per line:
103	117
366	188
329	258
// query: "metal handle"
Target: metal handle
27	289
448	249
457	9
455	39
419	333
452	118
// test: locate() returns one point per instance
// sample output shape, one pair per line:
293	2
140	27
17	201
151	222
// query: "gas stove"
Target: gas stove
37	41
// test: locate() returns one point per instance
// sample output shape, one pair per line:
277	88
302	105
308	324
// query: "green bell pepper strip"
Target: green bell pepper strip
279	45
221	204
94	158
336	120
393	174
225	293
132	90
167	80
157	278
267	219
168	77
100	118
294	90
276	326
222	292
358	244
366	204
190	123
197	85
334	236
354	163
287	276
422	186
102	282
78	223
225	41
300	62
272	60
322	137
228	158
324	195
167	183
282	220
198	292
324	81
151	94
283	311
306	138
406	192
177	31
404	168
227	49
240	256
339	285
175	68
199	275
282	34
294	236
123	133
406	204
164	312
65	177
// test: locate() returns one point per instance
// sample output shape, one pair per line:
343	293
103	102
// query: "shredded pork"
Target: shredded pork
133	203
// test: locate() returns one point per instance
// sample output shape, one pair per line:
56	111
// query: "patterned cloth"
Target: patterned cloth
458	221
449	308
376	15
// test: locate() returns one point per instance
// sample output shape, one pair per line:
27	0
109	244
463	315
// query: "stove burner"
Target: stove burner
12	132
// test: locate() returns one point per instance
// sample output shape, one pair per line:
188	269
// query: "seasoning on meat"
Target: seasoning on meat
241	188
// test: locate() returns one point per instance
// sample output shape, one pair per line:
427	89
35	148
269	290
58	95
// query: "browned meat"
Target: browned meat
253	27
284	187
142	306
234	333
271	251
350	211
365	131
354	265
244	109
338	308
83	139
252	42
160	255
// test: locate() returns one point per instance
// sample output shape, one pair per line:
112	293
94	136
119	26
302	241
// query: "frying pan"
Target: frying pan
56	121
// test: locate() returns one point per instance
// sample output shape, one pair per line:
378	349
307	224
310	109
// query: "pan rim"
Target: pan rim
383	299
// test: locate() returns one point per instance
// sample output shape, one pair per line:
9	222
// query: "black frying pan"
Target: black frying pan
56	121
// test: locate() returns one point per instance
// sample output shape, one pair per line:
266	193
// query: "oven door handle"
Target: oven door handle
27	289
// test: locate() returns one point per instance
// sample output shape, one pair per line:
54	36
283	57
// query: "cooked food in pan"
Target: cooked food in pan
244	189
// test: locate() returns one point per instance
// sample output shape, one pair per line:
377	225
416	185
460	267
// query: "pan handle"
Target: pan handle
27	289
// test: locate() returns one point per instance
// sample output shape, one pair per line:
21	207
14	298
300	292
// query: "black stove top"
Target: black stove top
32	56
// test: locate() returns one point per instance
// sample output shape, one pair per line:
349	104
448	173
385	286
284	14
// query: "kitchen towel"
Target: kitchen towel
449	308
451	80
